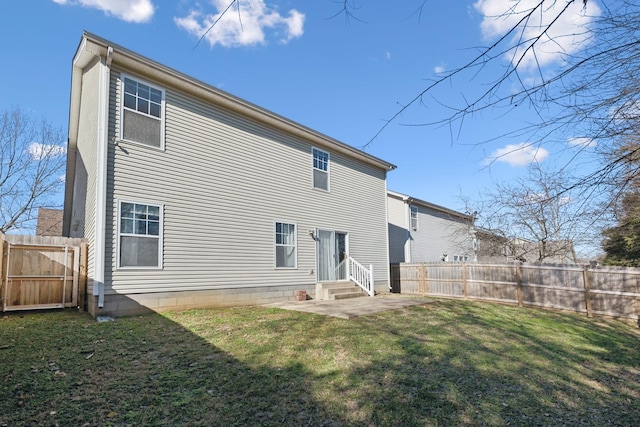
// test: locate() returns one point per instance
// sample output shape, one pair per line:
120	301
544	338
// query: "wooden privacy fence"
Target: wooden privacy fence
610	291
40	272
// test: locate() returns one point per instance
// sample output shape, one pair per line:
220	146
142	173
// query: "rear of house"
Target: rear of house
420	231
191	197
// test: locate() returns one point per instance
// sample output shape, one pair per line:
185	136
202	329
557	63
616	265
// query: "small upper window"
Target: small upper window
142	113
320	169
414	217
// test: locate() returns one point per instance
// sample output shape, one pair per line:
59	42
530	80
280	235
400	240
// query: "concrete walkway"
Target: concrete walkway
350	308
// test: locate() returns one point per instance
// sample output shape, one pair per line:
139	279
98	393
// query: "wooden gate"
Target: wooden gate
41	272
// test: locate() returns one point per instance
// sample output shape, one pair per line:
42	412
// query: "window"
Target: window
142	113
460	258
414	217
285	245
139	241
320	169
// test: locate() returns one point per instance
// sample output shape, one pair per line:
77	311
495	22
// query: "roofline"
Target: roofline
93	47
123	56
415	201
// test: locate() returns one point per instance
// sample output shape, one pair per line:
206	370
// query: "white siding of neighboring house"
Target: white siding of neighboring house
398	229
224	181
439	233
83	214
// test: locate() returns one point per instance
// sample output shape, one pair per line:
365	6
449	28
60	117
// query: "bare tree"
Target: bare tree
32	159
591	97
528	221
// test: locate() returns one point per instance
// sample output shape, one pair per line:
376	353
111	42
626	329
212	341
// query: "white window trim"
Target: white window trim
275	245
413	208
160	235
121	108
328	171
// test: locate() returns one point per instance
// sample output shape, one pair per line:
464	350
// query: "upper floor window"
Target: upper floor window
139	235
320	169
142	115
414	217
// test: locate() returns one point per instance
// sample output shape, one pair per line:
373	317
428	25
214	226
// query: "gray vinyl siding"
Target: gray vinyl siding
224	181
83	215
439	233
398	229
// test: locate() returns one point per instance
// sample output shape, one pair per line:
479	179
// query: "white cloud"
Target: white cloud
439	69
387	55
518	154
39	151
128	10
244	26
566	36
581	142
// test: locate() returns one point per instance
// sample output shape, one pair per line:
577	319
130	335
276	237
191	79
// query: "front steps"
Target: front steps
339	290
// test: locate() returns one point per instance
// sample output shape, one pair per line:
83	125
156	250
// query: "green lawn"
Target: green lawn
444	363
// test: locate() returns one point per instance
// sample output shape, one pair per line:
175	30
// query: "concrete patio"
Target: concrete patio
351	308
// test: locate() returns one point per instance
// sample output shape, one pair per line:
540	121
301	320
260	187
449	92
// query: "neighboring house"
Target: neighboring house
494	247
420	231
550	252
49	222
191	197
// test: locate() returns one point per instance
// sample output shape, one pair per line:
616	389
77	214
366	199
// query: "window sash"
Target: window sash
142	112
285	245
321	161
414	218
142	98
139	235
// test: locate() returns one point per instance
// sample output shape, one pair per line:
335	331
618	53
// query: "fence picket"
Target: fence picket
591	290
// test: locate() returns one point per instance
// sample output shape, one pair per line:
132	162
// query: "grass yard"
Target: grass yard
444	363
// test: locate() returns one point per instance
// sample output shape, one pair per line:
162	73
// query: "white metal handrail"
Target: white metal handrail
362	276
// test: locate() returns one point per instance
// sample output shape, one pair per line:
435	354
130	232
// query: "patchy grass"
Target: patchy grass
444	363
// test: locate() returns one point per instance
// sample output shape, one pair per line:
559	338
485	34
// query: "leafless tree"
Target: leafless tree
32	159
528	221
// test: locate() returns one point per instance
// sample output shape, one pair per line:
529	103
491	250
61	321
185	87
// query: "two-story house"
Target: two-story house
420	231
191	197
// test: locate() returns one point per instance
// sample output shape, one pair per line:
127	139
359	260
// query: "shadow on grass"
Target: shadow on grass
446	363
62	368
483	364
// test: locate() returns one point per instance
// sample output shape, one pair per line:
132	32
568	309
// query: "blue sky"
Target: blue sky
342	77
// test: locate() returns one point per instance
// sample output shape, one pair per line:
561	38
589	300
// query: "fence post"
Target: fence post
2	290
587	290
464	281
519	283
423	279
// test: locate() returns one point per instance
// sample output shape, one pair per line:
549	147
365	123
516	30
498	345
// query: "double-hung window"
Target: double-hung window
142	113
320	169
285	245
139	235
414	217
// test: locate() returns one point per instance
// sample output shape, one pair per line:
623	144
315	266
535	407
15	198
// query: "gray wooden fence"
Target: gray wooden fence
610	291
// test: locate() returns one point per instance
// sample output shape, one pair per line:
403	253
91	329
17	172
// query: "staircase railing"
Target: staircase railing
362	276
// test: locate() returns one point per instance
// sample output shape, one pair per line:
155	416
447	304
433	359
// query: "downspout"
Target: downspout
101	175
